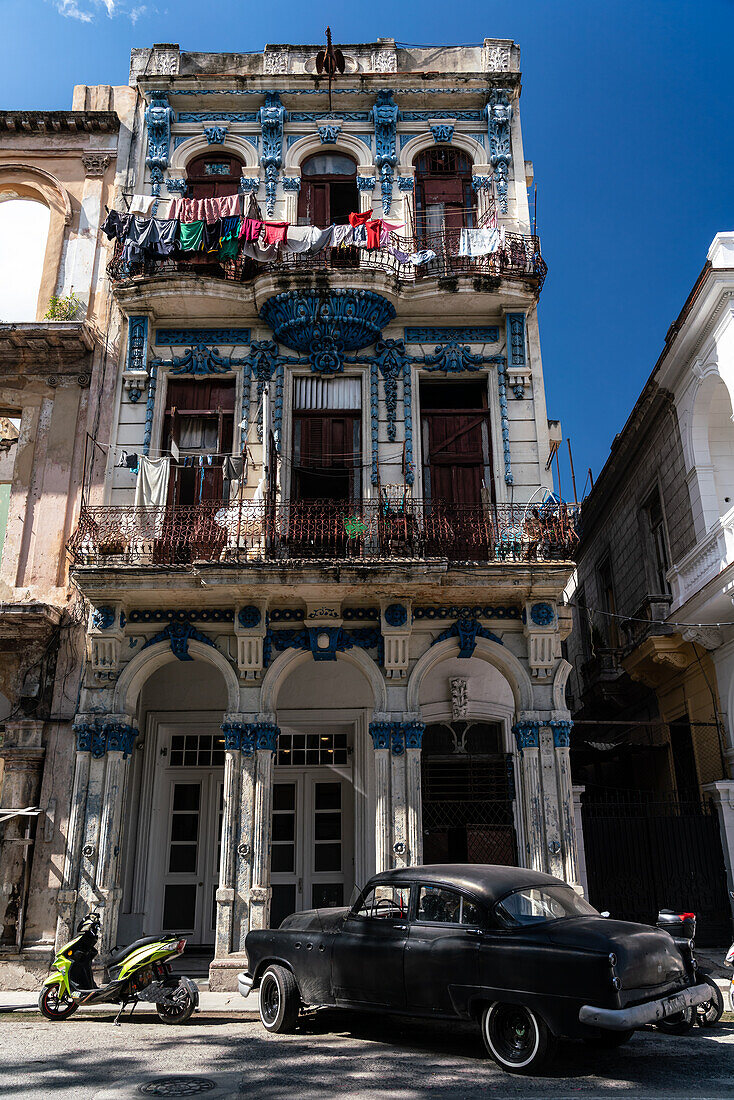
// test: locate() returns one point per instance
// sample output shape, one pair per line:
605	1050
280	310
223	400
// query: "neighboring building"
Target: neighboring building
341	651
52	385
652	700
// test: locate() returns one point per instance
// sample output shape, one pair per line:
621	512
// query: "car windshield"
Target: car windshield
540	904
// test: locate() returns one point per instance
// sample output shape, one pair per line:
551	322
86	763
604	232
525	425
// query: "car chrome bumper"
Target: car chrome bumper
620	1019
244	983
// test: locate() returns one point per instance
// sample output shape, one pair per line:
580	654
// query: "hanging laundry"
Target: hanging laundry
359	236
250	229
423	257
263	255
116	225
142	204
208	210
190	236
307	238
210	237
149	239
132	461
232	471
478	242
360	219
152	487
374	234
228	238
401	257
275	232
342	235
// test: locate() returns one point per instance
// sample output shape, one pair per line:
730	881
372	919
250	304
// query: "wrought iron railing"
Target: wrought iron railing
257	531
519	258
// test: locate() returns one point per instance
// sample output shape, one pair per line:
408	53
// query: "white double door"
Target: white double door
312	848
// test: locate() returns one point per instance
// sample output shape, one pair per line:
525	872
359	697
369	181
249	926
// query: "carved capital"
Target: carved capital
95	164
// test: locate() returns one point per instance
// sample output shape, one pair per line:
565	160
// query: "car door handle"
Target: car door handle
400	927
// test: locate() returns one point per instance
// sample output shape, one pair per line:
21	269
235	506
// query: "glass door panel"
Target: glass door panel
180	889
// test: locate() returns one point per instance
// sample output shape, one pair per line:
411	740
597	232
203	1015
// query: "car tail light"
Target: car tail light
180	947
686	916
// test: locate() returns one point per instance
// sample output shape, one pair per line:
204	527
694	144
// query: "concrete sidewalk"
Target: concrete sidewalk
210	1003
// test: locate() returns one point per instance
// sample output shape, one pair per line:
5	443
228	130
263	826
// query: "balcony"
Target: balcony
519	260
258	532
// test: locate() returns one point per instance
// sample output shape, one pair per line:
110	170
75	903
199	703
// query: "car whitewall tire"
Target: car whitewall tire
517	1038
278	1001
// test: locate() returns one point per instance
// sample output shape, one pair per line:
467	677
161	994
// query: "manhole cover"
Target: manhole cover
177	1086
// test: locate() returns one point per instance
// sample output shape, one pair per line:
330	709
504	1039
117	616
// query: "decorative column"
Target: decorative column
385	117
380	732
265	734
567	820
22	754
413	733
527	736
67	895
272	116
234	730
580	847
108	741
721	794
399	857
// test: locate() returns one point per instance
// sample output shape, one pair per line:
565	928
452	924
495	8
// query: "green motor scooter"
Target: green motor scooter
139	973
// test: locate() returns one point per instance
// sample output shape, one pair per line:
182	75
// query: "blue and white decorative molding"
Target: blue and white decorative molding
272	117
517	365
542	614
366	138
102	618
467	630
396	614
216	116
561	733
199	615
176	186
479	334
499	118
215	135
291	183
478	611
137	343
325	325
397	736
405	184
158	119
385	116
366	183
249	617
404	139
527	735
323	642
249	184
247	737
328	134
442	132
179	633
481	183
200	359
99	737
264	363
180	337
504	418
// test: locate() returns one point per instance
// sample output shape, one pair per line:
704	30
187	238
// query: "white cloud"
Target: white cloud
86	11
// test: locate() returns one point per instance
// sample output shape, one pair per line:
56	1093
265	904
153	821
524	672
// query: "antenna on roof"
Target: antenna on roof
330	61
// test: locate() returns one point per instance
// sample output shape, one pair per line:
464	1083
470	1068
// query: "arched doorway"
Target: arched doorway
323	796
213	175
174	806
328	192
444	199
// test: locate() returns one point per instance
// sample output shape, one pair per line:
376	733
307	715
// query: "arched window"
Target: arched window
328	190
213	176
444	199
23	237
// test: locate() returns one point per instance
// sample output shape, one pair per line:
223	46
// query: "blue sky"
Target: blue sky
627	115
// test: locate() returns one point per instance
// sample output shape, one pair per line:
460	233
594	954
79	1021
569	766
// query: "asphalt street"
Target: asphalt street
335	1055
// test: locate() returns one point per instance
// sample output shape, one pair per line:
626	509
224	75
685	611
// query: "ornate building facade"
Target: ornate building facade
323	565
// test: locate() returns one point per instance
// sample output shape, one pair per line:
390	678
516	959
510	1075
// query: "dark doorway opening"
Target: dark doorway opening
198	428
467	787
213	176
328	192
457	451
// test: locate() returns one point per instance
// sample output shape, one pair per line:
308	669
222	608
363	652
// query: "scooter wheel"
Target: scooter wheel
710	1012
181	1006
56	1005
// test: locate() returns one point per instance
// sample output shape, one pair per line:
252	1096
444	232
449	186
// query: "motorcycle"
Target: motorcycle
682	927
729	961
139	973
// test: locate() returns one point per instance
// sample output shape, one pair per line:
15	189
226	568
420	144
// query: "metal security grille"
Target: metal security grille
643	856
467	792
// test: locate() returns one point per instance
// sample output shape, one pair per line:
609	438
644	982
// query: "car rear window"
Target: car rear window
542	904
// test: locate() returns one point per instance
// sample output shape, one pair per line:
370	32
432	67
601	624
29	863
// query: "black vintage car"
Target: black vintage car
516	950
